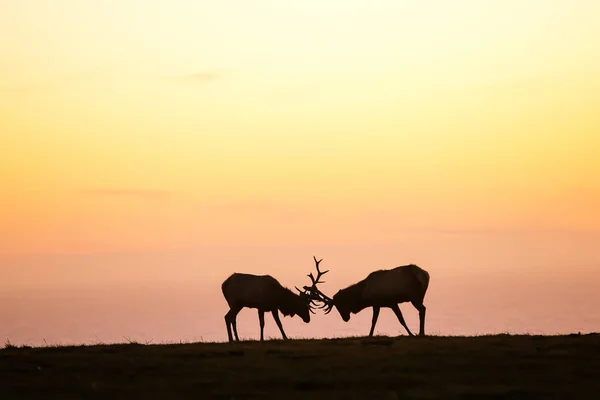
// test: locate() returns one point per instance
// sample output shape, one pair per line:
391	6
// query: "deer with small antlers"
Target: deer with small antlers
383	288
266	294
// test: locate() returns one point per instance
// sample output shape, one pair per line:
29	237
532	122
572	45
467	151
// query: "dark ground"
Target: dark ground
488	367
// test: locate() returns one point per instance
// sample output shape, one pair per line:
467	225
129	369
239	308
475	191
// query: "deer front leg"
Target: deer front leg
398	313
228	323
261	320
230	320
234	325
374	321
278	322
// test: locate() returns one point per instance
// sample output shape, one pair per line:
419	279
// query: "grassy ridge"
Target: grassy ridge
388	368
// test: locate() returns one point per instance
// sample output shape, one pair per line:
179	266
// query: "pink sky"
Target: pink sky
158	148
481	283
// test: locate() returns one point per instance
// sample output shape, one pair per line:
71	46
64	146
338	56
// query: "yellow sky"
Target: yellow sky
169	124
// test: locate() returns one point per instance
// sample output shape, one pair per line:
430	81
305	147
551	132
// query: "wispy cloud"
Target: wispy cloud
264	208
137	193
201	77
26	88
49	83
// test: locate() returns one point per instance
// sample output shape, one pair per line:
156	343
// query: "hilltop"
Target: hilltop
500	366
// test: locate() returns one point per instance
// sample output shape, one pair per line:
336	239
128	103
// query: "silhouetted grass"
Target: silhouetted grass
498	367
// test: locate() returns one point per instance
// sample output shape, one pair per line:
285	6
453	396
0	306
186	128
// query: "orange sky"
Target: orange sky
160	127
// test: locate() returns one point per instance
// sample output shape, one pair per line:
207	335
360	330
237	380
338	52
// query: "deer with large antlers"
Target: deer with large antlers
266	294
383	288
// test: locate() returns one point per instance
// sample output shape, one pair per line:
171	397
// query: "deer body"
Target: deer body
384	288
266	294
399	285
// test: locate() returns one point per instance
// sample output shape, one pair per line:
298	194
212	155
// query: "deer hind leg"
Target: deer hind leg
261	320
374	320
278	322
398	313
421	307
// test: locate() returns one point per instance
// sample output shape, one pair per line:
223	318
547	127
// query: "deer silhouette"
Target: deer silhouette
383	288
266	294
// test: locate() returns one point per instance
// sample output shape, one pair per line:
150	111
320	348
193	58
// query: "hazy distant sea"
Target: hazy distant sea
184	313
481	285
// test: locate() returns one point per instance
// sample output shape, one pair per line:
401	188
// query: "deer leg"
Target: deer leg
421	307
234	324
261	320
374	321
228	323
232	320
398	313
278	322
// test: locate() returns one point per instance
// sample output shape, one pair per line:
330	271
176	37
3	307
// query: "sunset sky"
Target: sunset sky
163	126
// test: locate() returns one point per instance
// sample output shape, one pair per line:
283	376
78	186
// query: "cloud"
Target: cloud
25	88
50	83
256	208
135	193
202	77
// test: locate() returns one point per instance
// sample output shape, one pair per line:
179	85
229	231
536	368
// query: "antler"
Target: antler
327	303
319	274
313	291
